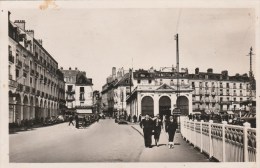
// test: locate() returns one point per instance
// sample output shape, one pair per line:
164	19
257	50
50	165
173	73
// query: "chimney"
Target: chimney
69	68
61	68
197	70
40	41
20	24
114	71
210	70
76	68
30	33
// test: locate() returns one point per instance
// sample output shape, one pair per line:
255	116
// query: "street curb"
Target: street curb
137	131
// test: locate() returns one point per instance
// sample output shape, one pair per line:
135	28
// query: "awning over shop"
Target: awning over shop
84	111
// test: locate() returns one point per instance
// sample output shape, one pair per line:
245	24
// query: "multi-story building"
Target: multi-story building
33	77
115	91
96	101
156	92
79	91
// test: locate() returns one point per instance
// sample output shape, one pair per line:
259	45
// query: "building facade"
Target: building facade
78	91
115	91
33	77
156	92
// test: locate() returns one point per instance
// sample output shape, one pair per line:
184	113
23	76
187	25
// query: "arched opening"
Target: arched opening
164	106
183	105
41	109
37	109
44	109
147	106
31	108
26	110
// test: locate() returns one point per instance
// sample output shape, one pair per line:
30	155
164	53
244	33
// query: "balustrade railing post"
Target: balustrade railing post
201	140
190	132
194	134
210	140
224	123
246	126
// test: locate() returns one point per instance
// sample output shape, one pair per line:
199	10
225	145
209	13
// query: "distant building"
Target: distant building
155	92
115	91
96	102
79	91
36	88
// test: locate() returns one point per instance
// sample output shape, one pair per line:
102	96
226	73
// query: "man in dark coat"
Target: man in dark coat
147	125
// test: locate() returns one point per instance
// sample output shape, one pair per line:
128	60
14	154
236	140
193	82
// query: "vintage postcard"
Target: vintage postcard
129	83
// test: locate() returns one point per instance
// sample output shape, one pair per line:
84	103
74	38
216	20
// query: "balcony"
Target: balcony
234	87
234	94
19	64
33	91
221	86
70	91
36	74
226	102
32	72
27	89
46	95
83	107
20	87
38	93
70	99
13	83
11	58
42	95
26	68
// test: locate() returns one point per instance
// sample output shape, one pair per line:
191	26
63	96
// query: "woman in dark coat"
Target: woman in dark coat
158	126
171	127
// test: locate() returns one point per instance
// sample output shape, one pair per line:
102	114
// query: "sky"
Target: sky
96	39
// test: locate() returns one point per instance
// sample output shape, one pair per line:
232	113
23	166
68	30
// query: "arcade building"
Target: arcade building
156	92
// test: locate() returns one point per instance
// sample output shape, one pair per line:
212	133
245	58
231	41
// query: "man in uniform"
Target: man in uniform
147	125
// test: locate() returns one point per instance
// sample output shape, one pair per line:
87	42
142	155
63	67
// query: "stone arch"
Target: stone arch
147	105
164	105
183	103
32	107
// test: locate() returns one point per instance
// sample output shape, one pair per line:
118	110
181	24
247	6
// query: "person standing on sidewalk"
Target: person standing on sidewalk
147	125
71	120
171	127
158	126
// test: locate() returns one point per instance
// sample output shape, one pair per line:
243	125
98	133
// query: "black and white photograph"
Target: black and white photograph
129	84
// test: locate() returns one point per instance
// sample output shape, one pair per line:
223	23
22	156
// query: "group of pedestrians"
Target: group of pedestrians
154	126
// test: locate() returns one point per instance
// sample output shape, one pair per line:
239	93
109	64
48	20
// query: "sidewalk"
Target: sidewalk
182	151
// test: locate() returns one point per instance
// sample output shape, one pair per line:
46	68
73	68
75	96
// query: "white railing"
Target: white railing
226	143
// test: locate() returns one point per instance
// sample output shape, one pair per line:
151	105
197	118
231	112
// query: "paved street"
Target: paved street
103	141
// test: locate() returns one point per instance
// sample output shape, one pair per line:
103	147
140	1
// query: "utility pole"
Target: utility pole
177	67
250	78
130	84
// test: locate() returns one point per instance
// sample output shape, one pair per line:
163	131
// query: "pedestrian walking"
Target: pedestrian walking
171	127
147	125
77	120
140	118
135	118
158	126
71	120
